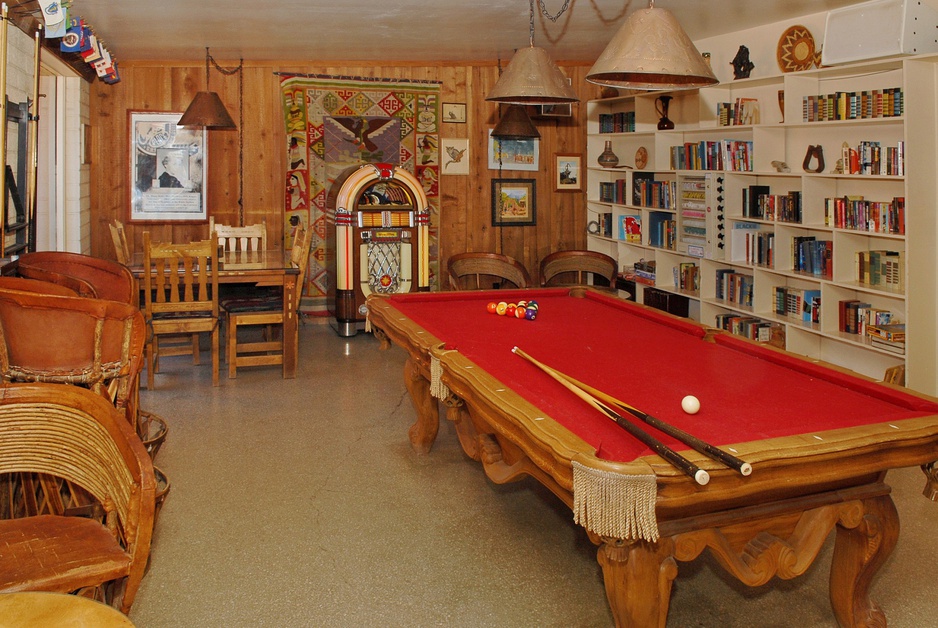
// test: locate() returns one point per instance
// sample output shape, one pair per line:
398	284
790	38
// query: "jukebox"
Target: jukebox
377	239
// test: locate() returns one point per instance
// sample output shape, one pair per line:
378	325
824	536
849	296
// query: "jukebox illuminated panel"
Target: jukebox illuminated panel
378	231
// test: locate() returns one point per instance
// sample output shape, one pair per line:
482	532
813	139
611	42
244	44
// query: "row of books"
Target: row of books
742	111
747	326
758	246
812	256
874	103
798	304
759	202
648	192
619	122
687	277
855	316
888	336
871	158
662	232
881	268
644	272
735	155
733	286
859	214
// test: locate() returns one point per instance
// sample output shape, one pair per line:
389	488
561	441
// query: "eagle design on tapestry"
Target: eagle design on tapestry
361	130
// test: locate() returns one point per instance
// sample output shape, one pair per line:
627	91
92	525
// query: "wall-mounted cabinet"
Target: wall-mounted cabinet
804	200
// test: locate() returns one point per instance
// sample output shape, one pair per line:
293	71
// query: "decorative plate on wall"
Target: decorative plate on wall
641	158
795	50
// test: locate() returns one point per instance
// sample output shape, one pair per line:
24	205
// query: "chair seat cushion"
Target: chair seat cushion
52	553
261	302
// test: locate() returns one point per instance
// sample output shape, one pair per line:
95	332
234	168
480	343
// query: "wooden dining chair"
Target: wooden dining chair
263	309
119	238
247	239
180	288
578	268
477	271
92	446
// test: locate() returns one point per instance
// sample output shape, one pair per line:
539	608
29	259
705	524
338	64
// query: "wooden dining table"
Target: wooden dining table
262	269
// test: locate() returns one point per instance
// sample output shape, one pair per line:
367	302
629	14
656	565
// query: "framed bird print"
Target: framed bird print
455	156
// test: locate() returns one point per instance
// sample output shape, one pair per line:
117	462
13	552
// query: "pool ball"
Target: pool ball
500	308
690	404
492	307
510	310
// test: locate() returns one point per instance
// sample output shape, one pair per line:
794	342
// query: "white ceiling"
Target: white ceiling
398	30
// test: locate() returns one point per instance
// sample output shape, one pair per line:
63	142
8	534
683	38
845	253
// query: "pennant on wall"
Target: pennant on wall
52	12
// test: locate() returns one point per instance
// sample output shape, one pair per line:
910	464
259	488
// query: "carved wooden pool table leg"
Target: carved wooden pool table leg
638	577
861	547
931	481
424	430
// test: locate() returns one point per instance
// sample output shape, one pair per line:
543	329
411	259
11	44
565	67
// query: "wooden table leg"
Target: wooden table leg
859	551
290	327
638	577
424	430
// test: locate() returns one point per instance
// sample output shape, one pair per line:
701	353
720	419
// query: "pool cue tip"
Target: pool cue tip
702	477
745	469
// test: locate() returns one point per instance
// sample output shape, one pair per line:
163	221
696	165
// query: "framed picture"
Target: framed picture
568	172
454	112
513	154
454	156
167	168
513	202
562	110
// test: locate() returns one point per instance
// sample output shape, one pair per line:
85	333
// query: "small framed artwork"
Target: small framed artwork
513	154
454	112
562	110
455	156
568	172
167	169
513	202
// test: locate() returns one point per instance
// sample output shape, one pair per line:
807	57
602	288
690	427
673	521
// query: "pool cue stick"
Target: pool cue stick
690	440
677	460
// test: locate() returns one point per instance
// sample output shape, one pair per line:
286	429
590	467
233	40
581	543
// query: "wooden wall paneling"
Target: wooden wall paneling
454	189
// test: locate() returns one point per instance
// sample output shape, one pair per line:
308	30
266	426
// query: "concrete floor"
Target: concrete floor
300	503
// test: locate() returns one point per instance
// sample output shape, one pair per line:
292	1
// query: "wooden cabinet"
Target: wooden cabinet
754	209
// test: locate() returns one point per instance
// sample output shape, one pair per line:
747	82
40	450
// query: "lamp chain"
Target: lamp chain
228	72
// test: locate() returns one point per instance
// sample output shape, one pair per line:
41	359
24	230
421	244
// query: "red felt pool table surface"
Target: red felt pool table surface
651	360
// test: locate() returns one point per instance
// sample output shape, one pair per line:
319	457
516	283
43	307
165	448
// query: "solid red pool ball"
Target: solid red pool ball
492	307
510	310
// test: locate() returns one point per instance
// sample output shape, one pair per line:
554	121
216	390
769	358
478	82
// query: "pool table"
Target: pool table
820	439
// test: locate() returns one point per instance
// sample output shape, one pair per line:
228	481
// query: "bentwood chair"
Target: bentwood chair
22	284
96	449
107	278
477	271
79	286
180	288
261	309
577	267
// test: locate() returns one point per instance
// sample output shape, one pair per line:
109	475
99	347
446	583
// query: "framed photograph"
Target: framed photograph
563	110
454	156
568	172
454	112
513	154
513	202
167	168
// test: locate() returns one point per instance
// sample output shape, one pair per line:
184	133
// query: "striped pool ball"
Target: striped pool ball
500	308
520	312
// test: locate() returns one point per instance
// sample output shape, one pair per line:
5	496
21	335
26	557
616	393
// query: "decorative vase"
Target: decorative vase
608	159
781	103
661	106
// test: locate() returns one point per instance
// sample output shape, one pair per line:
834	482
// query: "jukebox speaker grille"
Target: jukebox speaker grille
384	267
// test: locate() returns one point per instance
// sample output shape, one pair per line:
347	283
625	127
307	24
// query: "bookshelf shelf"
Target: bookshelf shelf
718	245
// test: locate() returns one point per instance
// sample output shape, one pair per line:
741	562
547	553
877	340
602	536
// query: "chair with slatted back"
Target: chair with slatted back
245	240
245	311
180	287
119	238
577	268
92	447
477	271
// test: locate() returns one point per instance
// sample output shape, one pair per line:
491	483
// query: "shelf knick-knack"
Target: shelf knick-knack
661	106
608	159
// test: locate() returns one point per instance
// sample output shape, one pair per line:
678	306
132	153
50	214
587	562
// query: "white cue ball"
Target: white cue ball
690	404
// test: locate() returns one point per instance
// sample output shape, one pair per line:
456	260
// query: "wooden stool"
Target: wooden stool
58	610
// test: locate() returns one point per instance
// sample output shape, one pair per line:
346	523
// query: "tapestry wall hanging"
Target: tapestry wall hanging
333	123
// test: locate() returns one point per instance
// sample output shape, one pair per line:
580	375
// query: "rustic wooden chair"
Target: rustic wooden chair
247	239
119	238
95	448
109	279
577	267
476	271
180	288
244	311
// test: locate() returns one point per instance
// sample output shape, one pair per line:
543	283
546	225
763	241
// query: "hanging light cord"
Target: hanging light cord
545	13
228	72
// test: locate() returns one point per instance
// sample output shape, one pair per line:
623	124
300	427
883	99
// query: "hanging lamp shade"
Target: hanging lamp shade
515	125
207	110
532	79
651	51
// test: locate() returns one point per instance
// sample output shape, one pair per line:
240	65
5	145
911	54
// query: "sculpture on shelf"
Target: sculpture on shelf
742	66
608	159
661	106
814	153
